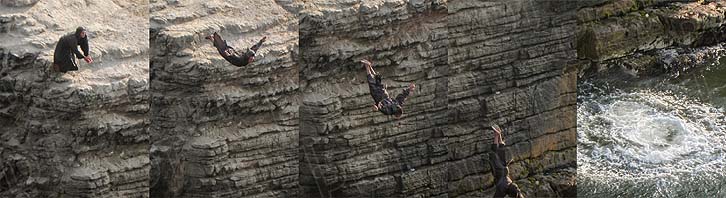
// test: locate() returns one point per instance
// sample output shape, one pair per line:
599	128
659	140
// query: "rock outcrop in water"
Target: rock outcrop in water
80	134
220	130
648	99
630	33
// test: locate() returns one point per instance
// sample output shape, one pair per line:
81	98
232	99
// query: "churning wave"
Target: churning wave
648	142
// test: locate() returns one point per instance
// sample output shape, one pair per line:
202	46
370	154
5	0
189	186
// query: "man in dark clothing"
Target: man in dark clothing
502	183
384	103
67	47
231	55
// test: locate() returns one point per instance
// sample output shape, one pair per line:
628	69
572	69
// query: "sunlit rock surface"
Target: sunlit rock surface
83	133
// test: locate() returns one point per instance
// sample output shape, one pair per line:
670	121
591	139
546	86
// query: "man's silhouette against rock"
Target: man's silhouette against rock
231	55
503	185
382	101
66	51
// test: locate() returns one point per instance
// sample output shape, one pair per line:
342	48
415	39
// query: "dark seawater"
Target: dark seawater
658	137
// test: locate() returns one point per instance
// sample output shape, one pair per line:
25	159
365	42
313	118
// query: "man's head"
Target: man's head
397	111
81	32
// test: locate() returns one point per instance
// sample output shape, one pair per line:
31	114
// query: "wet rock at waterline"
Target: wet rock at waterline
650	119
619	28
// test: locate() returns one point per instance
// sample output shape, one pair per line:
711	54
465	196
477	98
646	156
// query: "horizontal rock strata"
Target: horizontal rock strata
511	64
82	133
220	130
346	148
632	33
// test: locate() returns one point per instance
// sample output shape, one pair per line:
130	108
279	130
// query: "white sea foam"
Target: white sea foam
643	134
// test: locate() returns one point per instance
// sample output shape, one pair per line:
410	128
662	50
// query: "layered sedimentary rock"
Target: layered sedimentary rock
82	133
631	33
220	130
511	65
346	148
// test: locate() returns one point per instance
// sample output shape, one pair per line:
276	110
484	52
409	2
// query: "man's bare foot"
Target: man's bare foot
259	44
497	129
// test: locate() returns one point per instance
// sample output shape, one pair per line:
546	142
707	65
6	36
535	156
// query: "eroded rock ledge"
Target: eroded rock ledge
80	134
639	35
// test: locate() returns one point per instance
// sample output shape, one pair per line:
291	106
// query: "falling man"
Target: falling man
382	101
230	54
503	185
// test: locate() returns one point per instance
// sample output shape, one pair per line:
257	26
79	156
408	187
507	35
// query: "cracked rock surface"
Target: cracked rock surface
512	64
177	120
347	149
83	133
220	130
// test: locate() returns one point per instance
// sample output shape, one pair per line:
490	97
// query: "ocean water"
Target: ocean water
658	137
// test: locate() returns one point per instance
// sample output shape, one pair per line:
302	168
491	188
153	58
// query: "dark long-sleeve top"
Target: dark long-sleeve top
67	47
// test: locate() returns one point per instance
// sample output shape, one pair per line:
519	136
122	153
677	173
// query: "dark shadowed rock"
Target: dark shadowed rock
630	33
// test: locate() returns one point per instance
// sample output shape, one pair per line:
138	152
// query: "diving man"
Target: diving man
502	183
231	55
382	101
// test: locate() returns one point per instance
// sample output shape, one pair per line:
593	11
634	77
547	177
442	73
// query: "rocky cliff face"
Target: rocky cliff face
80	134
220	130
511	64
298	122
637	35
506	63
347	149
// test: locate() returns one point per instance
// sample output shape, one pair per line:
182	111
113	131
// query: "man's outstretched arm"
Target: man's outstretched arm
74	44
259	44
401	98
84	47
